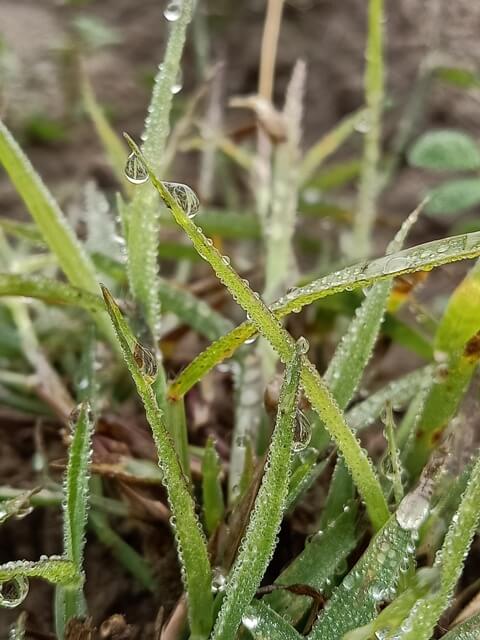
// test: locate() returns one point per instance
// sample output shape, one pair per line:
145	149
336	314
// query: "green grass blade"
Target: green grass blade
143	211
50	220
70	603
468	630
374	97
191	541
371	581
316	566
213	505
176	423
259	542
328	144
266	323
113	145
196	313
263	622
422	257
457	349
50	291
54	569
425	614
123	552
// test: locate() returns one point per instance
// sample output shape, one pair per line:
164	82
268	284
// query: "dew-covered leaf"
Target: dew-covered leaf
445	150
258	544
192	547
467	630
262	622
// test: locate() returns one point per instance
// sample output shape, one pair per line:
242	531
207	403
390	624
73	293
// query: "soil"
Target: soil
329	35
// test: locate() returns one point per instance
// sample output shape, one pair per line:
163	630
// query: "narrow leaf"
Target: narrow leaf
213	506
259	542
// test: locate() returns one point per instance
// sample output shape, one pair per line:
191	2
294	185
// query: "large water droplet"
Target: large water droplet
146	362
219	580
303	431
177	86
173	10
412	511
135	170
186	197
250	622
13	592
302	345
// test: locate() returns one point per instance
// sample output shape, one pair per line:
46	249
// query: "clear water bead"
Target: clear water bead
173	10
185	197
135	170
13	592
302	345
177	86
303	432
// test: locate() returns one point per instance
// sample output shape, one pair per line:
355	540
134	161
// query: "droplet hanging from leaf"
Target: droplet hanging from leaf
135	170
13	592
186	197
173	10
145	361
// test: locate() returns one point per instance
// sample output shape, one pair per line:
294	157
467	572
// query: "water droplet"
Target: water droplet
146	362
219	580
250	622
135	170
177	86
13	592
251	340
302	345
303	431
23	512
412	511
185	197
173	10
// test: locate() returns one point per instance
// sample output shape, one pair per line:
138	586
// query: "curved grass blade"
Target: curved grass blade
70	603
266	323
457	350
54	569
423	257
258	544
398	393
60	238
191	541
50	291
328	144
468	630
324	554
263	622
425	614
112	143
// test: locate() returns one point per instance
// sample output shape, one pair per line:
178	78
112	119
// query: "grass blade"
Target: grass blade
422	257
259	542
425	614
328	144
191	541
266	323
143	210
457	349
70	603
374	96
263	622
49	291
61	240
468	630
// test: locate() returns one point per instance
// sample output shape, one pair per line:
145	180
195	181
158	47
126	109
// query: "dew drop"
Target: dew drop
146	362
250	622
219	580
23	512
302	345
412	511
303	432
185	197
13	592
173	10
135	170
251	340
177	86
